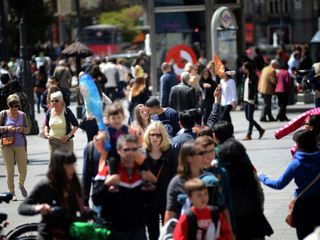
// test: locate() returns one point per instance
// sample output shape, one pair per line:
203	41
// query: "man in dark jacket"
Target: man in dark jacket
186	134
183	96
167	81
124	209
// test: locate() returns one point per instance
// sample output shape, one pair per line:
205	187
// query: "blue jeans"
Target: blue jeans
135	234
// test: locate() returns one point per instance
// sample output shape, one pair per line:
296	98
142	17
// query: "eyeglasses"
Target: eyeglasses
54	101
14	106
200	153
157	135
130	149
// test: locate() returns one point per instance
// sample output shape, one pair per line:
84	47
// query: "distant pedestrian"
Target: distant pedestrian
283	89
183	96
228	96
109	69
266	87
167	81
63	74
40	78
249	96
138	94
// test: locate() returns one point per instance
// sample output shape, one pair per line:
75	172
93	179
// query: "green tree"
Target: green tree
127	19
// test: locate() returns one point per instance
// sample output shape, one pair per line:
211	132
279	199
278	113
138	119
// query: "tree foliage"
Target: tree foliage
127	19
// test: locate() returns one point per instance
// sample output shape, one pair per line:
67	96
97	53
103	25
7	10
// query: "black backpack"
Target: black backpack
193	225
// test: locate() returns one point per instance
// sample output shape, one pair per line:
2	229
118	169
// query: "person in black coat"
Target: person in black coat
162	161
246	192
138	94
183	96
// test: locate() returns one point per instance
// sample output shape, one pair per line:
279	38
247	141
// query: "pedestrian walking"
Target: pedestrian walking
249	97
283	89
14	127
61	124
228	96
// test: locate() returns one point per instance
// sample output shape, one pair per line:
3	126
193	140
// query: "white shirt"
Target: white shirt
228	92
109	70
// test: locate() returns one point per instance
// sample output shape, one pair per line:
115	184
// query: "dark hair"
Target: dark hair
202	73
285	66
126	138
231	150
187	149
250	66
223	130
196	115
193	185
306	140
186	120
314	122
206	131
114	109
205	141
57	176
5	78
152	102
14	86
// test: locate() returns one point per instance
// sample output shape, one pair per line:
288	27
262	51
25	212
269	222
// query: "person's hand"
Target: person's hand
64	139
11	128
149	176
113	179
206	85
19	129
43	208
217	94
99	141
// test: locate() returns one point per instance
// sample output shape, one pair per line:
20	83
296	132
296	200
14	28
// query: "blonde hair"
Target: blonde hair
165	143
13	99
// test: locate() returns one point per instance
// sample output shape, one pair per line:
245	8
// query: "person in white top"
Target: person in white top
123	71
228	96
109	69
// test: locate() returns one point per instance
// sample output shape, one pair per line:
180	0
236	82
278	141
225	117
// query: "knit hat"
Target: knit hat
316	67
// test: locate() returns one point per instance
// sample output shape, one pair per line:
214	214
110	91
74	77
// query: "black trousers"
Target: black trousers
306	215
266	110
282	102
225	110
249	110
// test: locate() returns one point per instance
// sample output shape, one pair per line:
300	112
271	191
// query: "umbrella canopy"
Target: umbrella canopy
77	49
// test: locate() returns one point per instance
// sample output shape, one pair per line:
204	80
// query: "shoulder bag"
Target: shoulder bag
289	218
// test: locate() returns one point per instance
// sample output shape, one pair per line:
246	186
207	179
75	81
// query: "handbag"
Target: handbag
289	218
7	140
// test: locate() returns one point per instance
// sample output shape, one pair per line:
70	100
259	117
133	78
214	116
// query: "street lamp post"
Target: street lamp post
3	33
24	74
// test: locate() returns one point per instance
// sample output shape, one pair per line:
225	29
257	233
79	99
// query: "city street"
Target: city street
268	155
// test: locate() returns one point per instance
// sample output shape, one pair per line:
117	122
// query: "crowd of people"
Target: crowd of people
174	162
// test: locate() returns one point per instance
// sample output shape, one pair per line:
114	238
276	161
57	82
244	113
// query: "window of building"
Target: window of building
168	3
277	7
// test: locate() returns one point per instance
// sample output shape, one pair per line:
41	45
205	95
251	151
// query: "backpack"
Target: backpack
193	225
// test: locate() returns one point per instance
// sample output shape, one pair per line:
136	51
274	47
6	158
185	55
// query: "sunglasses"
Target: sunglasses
202	153
14	106
54	101
130	149
157	135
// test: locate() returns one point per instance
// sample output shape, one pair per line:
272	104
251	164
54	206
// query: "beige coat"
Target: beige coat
267	81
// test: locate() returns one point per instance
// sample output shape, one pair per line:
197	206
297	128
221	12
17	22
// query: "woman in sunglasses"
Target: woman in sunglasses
14	127
190	163
161	160
61	124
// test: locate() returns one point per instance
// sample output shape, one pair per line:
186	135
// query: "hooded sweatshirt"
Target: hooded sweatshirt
304	168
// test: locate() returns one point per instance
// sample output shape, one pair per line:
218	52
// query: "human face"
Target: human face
151	110
200	198
197	159
55	102
69	170
127	153
13	107
209	156
155	137
144	113
205	75
116	121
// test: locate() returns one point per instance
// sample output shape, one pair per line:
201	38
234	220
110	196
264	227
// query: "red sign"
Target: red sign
181	54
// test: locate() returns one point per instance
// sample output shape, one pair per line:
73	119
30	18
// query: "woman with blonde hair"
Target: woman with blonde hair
141	120
14	127
61	124
138	93
161	160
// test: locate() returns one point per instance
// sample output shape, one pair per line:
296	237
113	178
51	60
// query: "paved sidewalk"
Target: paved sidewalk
268	155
